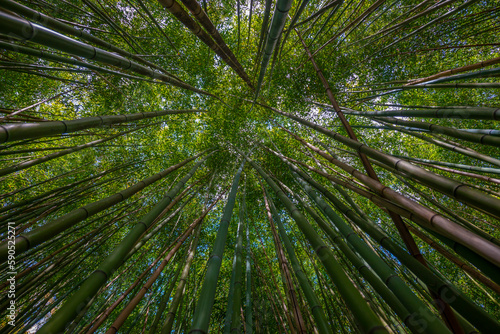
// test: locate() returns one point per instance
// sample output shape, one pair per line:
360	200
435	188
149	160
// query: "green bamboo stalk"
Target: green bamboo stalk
13	132
369	322
476	315
445	185
49	230
248	293
179	292
30	163
113	261
312	299
201	318
22	29
479	113
275	29
236	319
417	310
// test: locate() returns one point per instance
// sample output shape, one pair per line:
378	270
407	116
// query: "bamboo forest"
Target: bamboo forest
249	166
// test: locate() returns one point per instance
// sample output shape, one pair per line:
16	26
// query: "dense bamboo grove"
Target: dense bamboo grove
252	166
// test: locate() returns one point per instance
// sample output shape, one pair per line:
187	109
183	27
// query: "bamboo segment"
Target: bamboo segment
468	113
485	139
275	30
445	185
220	49
25	30
312	299
202	17
368	321
92	284
33	238
201	318
179	292
13	132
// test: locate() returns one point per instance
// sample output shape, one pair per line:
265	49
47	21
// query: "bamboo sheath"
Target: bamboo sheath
42	234
438	223
13	132
369	322
462	304
22	29
92	284
201	318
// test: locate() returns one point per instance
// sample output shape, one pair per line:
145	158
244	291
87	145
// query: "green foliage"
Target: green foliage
379	53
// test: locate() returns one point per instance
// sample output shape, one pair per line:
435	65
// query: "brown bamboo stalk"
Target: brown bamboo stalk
291	293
